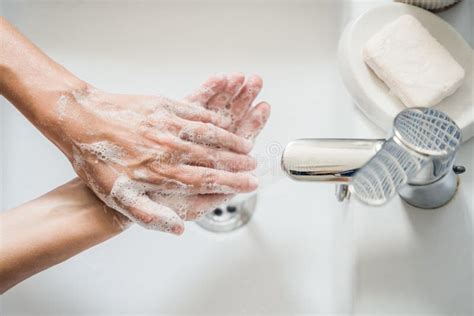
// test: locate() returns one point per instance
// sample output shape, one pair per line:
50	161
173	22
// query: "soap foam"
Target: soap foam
162	205
104	151
133	194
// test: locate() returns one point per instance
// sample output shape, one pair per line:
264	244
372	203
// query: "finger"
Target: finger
193	207
206	180
152	215
254	121
204	204
212	86
131	200
198	113
155	182
98	177
165	178
221	101
216	159
208	134
166	186
241	103
182	152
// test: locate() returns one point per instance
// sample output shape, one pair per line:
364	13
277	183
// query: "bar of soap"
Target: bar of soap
412	63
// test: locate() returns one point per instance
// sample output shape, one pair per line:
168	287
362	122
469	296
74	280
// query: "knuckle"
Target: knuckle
158	167
207	163
200	133
233	164
208	178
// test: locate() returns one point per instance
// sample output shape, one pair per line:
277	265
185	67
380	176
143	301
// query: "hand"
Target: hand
233	97
130	148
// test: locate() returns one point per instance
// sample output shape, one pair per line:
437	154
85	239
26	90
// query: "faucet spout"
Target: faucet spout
327	160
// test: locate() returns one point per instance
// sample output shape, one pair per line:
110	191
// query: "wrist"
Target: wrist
65	120
33	82
100	220
51	229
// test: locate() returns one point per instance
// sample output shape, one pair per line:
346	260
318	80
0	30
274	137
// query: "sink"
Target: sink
302	252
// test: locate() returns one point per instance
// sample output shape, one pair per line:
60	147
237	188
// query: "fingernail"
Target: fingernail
253	182
248	145
255	79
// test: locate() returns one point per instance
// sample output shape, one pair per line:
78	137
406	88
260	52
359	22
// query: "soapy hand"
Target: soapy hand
155	160
232	96
130	149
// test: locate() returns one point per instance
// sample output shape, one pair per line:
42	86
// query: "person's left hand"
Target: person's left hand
231	96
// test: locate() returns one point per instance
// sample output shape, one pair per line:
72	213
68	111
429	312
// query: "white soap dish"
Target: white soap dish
434	5
372	96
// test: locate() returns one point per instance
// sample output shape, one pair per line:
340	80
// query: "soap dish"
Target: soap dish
371	94
433	5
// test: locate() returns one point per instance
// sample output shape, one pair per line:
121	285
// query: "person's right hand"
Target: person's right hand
129	148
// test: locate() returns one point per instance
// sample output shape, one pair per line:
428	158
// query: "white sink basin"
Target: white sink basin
303	252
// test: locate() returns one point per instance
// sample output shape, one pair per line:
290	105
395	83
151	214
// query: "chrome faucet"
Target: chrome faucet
417	161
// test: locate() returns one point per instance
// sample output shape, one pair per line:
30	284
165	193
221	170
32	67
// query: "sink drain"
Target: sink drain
230	216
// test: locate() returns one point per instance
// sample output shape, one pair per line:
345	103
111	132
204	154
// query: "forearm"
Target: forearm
51	229
135	152
33	82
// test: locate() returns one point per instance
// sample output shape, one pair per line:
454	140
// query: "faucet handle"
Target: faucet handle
416	162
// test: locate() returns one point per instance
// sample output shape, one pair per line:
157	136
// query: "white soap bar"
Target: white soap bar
412	63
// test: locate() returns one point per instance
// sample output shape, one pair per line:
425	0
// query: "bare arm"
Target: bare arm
156	160
32	81
173	160
52	228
